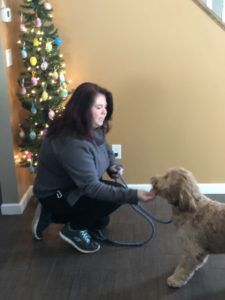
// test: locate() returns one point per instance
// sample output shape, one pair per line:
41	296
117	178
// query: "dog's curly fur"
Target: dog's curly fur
200	221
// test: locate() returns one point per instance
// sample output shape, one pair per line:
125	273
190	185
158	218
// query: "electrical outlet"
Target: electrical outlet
117	151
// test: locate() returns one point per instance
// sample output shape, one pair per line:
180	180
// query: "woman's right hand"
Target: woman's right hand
145	196
115	171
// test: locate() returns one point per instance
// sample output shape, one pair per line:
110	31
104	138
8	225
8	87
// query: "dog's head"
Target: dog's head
179	187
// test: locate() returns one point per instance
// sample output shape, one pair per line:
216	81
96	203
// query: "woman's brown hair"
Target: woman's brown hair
76	117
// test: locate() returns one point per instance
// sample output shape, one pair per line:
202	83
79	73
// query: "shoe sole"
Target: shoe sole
35	222
75	246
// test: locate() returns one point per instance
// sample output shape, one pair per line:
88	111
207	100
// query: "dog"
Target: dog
200	222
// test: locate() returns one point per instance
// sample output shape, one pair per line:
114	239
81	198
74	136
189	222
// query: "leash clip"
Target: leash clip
58	194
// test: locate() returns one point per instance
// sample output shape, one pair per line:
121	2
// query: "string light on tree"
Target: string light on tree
43	86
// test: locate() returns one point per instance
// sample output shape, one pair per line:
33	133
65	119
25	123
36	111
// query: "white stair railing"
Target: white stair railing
214	8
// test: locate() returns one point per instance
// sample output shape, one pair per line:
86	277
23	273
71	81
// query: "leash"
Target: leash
100	236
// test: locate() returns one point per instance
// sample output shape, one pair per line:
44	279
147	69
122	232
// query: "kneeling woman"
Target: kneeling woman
73	158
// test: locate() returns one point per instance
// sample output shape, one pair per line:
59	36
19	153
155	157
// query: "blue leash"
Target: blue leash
100	236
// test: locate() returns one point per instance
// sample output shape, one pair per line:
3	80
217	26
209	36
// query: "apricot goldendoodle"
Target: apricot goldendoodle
200	222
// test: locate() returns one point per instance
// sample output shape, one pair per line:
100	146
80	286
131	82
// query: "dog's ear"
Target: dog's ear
186	201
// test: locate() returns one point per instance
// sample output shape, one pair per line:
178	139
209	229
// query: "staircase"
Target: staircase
215	9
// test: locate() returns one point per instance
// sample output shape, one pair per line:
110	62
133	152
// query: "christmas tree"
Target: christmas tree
43	86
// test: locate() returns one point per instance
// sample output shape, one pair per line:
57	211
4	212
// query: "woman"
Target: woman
73	158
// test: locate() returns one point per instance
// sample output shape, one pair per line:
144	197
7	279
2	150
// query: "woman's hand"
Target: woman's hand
145	196
115	170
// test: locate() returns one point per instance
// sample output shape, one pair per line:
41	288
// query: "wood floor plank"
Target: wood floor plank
52	269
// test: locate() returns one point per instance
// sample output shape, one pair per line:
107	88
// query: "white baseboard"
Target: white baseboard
17	208
205	188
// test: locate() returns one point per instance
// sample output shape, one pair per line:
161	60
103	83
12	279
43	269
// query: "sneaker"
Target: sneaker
79	239
41	220
97	235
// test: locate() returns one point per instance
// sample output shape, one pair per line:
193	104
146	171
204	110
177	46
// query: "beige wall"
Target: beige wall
164	61
165	64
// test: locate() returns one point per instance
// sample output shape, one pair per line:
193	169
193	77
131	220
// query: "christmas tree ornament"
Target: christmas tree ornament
62	77
36	42
45	131
63	93
58	41
23	90
19	156
34	80
23	28
44	66
22	134
28	155
51	114
47	6
32	168
48	47
22	25
24	53
33	60
44	95
42	91
55	75
38	22
32	135
33	109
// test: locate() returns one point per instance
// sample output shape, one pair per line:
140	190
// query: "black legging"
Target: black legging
86	213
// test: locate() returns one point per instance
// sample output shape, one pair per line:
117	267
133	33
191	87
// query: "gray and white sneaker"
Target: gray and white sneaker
79	239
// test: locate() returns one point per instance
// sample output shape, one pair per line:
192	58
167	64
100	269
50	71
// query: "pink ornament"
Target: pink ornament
29	155
62	77
22	27
23	90
34	81
45	131
51	114
47	6
38	22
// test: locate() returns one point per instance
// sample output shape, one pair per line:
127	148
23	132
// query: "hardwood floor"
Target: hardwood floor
52	269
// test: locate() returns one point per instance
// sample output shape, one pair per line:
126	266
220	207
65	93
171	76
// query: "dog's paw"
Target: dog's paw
175	283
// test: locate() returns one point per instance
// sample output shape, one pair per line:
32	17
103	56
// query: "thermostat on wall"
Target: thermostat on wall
6	15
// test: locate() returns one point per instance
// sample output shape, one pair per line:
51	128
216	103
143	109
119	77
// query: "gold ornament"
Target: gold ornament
55	75
36	42
48	47
33	60
44	95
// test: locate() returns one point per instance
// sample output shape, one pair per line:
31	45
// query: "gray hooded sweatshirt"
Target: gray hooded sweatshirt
71	163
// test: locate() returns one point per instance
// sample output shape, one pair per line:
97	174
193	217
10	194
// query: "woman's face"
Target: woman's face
98	110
